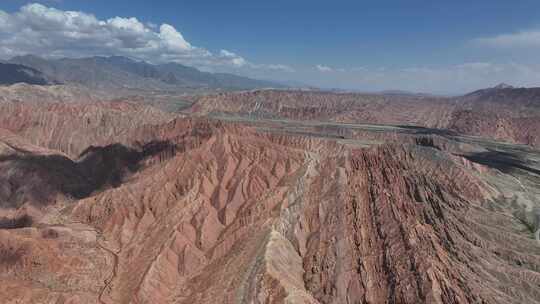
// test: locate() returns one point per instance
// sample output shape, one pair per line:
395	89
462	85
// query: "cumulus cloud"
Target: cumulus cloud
521	39
46	31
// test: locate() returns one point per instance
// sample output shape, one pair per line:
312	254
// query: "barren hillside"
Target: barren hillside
121	203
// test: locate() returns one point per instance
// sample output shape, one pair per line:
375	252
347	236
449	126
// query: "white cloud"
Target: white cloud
324	68
522	39
4	20
239	62
448	79
172	39
46	31
277	67
233	58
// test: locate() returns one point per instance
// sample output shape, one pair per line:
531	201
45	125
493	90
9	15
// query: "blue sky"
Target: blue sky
445	47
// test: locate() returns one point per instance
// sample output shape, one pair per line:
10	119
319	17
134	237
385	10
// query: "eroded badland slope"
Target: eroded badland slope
121	203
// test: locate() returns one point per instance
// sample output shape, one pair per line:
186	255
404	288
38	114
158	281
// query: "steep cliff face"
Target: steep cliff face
191	210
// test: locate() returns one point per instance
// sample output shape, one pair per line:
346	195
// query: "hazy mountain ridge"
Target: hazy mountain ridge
506	94
122	72
15	73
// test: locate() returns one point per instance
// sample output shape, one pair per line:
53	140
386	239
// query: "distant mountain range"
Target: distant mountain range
15	73
121	72
507	95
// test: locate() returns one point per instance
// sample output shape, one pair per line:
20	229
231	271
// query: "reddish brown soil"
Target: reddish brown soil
190	210
505	114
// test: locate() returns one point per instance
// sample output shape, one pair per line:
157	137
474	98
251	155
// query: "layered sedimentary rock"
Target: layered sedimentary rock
503	113
327	106
325	225
202	211
73	127
22	92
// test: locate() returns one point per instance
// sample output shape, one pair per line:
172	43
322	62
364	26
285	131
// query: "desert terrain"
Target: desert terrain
269	196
